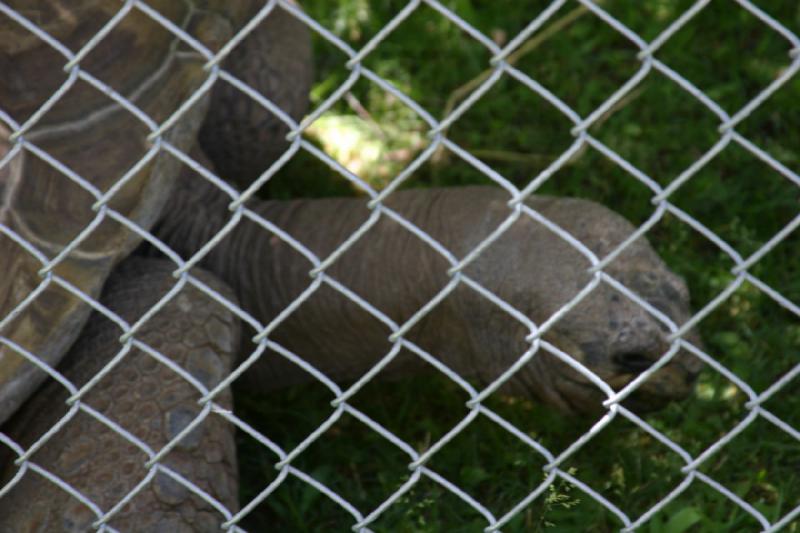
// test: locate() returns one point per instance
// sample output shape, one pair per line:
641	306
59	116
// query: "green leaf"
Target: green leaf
683	520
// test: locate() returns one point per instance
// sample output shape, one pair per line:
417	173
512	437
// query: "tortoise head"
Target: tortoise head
607	331
618	339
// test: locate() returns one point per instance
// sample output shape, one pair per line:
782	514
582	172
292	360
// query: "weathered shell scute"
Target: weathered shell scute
99	141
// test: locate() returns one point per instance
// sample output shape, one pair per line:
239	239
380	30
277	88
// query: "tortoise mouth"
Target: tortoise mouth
577	395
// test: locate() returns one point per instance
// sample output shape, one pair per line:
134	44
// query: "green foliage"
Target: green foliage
662	130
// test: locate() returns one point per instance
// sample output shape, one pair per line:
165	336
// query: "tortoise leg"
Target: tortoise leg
241	137
147	399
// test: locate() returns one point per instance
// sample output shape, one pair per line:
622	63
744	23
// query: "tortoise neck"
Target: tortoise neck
340	320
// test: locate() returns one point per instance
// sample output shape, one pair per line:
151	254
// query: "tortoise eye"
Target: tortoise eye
633	361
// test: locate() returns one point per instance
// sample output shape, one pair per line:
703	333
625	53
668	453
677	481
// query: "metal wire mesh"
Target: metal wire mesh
19	144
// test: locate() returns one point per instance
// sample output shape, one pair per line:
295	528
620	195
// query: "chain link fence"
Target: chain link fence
418	462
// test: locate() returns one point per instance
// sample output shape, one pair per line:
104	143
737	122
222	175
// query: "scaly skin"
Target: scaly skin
146	398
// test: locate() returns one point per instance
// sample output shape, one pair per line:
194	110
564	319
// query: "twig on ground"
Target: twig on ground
528	46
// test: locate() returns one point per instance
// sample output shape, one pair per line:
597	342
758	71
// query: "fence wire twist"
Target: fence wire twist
517	209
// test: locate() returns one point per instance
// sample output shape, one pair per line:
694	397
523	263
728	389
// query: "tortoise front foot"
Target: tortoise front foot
89	472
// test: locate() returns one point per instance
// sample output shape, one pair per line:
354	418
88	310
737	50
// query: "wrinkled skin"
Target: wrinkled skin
529	267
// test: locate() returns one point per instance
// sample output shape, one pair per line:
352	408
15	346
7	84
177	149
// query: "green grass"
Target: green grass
661	130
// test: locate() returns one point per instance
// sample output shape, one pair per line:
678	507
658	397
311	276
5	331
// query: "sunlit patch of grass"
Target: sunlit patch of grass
365	148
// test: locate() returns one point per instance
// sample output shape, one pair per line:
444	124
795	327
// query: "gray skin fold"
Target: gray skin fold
396	272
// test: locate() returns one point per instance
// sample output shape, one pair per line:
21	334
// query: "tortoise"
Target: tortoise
147	400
